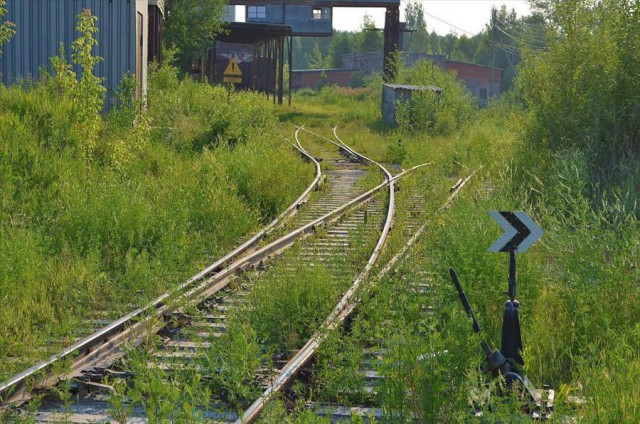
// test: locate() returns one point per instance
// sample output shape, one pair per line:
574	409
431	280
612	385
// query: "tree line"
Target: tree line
191	27
508	34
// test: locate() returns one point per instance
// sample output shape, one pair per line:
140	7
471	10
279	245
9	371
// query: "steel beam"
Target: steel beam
391	42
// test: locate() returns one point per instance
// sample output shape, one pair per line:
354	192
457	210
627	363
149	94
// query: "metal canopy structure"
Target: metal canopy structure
391	27
319	3
252	33
259	50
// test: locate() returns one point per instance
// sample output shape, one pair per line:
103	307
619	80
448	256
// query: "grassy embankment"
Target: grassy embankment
98	216
577	286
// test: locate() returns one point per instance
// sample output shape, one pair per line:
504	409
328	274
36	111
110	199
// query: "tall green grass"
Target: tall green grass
160	198
577	285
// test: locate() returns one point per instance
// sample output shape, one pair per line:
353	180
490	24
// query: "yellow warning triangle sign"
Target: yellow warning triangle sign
232	72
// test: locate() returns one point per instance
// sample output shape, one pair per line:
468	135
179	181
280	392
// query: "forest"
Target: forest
509	34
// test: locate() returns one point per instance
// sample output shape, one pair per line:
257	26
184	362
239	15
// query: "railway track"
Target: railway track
374	354
364	396
189	321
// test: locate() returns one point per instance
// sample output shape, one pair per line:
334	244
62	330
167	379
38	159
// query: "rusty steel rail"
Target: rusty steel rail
337	316
401	253
343	148
454	193
100	345
103	347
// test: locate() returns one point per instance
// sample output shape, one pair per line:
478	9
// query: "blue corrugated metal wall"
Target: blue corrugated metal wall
41	25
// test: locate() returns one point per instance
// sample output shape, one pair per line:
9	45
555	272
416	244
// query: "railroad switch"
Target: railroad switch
507	363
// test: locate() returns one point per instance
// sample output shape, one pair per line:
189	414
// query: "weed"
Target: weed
149	212
7	27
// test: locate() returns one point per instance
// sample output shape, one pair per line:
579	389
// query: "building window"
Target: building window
483	93
256	12
322	13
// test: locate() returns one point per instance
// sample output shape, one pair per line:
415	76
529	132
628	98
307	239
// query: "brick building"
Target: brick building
477	78
311	78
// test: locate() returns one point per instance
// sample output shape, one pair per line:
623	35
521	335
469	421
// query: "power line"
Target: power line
518	40
450	24
522	33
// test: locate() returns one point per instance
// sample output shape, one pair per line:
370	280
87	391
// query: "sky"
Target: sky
460	16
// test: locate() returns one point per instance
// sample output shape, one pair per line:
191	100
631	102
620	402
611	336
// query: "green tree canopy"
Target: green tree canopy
341	44
370	39
191	26
6	27
418	37
583	91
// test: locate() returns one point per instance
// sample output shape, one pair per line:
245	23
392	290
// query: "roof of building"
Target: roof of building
319	3
252	33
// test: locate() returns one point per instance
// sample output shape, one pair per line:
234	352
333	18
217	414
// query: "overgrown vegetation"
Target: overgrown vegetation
428	111
577	286
583	92
101	213
6	27
158	198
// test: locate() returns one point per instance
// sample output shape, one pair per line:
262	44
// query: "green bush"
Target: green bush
428	111
6	28
162	192
583	92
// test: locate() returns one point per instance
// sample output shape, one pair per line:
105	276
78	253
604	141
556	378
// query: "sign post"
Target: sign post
520	232
232	73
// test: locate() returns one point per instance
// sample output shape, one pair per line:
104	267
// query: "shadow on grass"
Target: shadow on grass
307	116
380	127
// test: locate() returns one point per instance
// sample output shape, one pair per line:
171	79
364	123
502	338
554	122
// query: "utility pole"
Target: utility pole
391	41
493	43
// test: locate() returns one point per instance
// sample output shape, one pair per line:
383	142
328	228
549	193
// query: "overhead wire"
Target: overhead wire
521	35
518	40
507	48
450	24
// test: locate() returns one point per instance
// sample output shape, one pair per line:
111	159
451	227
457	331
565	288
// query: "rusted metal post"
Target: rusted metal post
290	65
511	334
391	40
281	69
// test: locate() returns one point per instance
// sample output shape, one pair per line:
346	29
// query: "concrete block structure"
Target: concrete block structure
395	94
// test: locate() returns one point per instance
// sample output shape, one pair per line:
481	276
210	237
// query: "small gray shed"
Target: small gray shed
393	94
42	25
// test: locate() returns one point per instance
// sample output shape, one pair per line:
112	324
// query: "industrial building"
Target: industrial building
482	82
314	18
124	38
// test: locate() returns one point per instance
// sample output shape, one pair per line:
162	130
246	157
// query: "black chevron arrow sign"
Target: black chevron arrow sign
520	232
